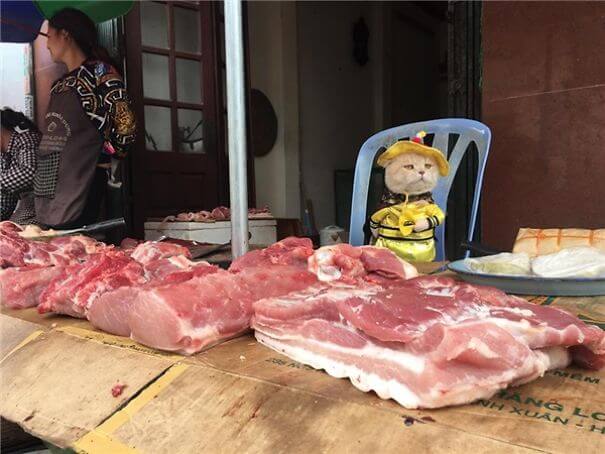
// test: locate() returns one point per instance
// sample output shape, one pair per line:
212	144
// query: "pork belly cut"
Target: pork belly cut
425	342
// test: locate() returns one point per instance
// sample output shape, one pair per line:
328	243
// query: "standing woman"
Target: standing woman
18	143
89	122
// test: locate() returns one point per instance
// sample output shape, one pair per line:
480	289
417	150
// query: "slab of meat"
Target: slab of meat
78	246
110	312
10	228
79	284
40	262
345	263
426	342
190	316
17	251
20	287
128	244
290	251
153	250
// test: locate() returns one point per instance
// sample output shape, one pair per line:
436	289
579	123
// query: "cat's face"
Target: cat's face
411	173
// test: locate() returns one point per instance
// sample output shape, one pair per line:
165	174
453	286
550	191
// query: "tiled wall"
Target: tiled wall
544	99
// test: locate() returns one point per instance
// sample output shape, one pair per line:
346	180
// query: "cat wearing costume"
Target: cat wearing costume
407	216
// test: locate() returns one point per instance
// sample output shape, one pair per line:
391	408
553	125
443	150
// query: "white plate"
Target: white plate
531	285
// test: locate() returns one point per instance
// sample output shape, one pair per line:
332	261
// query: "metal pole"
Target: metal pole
236	127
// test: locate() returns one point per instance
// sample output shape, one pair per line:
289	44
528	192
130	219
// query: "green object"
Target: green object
97	10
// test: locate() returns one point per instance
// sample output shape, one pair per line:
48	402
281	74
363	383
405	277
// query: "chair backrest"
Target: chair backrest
468	131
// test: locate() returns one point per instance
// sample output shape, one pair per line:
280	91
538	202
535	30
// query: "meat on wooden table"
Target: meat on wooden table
426	342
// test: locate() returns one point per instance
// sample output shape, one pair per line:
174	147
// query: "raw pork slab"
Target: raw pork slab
110	312
426	342
290	251
74	290
10	228
20	287
150	251
163	263
17	251
189	316
345	263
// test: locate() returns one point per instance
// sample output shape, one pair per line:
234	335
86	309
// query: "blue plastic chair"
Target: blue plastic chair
468	131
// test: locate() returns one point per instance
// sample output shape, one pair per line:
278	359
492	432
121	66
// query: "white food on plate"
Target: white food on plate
571	262
504	263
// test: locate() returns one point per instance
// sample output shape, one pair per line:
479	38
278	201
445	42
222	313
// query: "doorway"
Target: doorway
175	73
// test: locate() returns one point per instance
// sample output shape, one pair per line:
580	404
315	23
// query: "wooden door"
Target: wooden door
173	74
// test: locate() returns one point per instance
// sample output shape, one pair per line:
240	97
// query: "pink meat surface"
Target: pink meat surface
41	262
78	246
110	312
426	342
290	251
344	262
12	249
20	287
129	243
192	315
10	228
152	250
74	290
17	251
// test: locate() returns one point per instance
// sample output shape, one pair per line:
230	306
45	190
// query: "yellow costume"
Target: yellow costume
395	229
393	224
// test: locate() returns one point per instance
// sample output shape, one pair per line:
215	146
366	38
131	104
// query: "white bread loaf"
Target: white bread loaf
546	241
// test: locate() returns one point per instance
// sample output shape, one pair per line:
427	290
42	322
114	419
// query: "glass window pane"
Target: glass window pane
187	30
188	80
154	25
191	131
158	136
155	76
